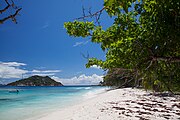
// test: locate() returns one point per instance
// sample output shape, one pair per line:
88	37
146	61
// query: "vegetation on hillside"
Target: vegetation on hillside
36	81
144	40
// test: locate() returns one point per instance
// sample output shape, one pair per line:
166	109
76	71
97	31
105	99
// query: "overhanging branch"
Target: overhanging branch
10	17
9	5
90	15
3	10
169	59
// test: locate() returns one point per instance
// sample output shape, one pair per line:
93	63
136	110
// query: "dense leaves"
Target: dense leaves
144	38
78	28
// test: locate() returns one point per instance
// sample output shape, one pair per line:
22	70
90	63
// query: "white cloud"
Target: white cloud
11	70
80	80
80	43
43	74
15	64
77	44
45	71
96	67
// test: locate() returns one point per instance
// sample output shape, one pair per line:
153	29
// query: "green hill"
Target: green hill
36	81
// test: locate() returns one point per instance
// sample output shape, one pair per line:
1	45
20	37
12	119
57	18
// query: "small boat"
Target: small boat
13	91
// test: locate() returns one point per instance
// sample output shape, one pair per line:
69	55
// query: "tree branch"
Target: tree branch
7	7
10	4
149	65
10	17
90	15
3	10
164	58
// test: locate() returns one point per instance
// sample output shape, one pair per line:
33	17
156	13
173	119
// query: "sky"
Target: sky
39	44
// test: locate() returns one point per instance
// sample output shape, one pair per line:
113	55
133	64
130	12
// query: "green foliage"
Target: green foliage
145	38
115	7
78	28
119	77
36	81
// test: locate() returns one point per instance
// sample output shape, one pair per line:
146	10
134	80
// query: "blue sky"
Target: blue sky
38	44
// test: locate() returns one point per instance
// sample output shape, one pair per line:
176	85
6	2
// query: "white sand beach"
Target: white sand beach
121	104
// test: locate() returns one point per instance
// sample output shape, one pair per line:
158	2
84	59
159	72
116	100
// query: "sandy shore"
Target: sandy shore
121	104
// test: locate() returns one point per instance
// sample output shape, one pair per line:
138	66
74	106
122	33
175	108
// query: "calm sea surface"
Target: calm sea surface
32	102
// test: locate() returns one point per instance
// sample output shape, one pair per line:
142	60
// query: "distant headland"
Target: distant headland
36	81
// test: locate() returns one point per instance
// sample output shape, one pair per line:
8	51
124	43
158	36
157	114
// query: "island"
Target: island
36	81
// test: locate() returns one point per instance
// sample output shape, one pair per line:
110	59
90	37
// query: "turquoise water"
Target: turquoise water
37	101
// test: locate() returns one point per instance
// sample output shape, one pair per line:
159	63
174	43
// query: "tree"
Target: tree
9	5
119	77
144	39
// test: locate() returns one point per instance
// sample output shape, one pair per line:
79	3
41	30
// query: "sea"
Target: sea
35	102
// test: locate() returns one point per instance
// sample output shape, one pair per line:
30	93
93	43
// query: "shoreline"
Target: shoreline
77	100
120	104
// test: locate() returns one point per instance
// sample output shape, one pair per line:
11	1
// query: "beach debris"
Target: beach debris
147	107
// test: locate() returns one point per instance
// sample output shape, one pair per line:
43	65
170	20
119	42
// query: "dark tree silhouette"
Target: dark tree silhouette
5	15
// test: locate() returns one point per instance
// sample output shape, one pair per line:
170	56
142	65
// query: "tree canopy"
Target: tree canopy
143	39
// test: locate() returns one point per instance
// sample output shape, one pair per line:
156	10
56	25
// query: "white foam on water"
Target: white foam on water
94	93
87	88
